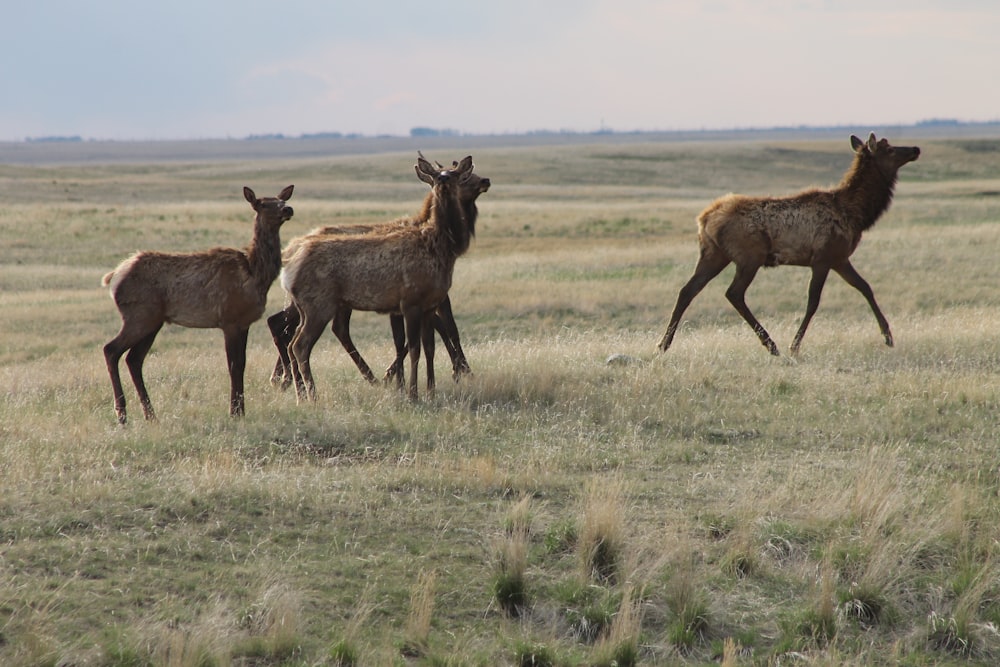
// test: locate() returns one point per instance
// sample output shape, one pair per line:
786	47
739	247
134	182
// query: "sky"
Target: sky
195	69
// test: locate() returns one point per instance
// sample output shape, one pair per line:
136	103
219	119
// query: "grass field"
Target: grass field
710	504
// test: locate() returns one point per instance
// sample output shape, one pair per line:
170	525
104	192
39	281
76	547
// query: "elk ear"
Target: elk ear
424	166
423	176
872	143
250	196
465	165
420	156
286	194
856	143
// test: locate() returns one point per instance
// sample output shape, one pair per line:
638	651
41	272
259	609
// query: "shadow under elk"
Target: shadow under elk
407	270
816	228
283	323
221	288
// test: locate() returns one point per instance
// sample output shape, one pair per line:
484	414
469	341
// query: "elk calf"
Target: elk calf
221	288
283	323
407	270
817	228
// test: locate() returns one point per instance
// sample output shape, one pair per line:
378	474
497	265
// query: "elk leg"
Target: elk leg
282	326
444	322
427	334
342	330
709	266
236	358
819	274
300	349
395	370
736	295
280	374
854	279
113	352
134	360
414	336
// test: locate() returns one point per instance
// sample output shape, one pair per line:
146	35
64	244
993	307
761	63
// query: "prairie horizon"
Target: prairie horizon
75	150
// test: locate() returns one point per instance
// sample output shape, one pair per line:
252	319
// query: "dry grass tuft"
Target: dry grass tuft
209	639
510	564
620	647
418	621
690	617
520	517
275	622
601	541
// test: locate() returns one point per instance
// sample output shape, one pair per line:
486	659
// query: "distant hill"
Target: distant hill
74	150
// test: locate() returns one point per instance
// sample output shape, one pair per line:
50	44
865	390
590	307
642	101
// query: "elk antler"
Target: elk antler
439	165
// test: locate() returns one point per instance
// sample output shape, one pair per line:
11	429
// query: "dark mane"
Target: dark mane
868	190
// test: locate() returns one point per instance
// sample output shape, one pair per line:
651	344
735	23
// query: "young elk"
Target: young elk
283	323
817	228
407	270
221	288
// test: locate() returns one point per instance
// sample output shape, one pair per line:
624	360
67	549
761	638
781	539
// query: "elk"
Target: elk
221	288
283	324
407	270
816	228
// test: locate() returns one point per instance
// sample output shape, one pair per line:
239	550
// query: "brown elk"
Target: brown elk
284	323
407	270
222	288
816	228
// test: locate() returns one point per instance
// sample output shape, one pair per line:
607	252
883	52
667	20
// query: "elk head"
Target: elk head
271	208
888	158
431	175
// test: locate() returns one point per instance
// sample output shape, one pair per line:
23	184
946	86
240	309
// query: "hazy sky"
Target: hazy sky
121	69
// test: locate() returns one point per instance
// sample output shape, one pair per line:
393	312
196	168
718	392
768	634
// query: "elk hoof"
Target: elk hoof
393	373
458	372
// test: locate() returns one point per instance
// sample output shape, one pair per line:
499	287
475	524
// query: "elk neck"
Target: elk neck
867	190
264	254
449	217
471	213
